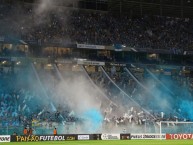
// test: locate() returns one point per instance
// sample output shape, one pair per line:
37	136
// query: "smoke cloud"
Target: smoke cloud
186	109
29	18
45	6
83	101
93	119
170	96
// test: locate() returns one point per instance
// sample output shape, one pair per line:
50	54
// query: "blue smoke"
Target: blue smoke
186	109
93	119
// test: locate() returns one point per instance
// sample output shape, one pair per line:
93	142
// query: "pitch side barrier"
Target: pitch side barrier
69	137
103	136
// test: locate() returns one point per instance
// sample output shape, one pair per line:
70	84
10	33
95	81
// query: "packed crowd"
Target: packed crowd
22	106
147	32
155	32
17	104
147	92
133	115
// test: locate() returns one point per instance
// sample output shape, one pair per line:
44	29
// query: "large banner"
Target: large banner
5	138
179	136
90	46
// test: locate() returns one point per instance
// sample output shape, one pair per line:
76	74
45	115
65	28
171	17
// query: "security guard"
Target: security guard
55	131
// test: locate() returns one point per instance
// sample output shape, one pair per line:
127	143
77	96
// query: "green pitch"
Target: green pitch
119	142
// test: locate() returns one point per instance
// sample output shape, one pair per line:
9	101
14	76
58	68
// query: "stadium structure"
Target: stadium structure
96	66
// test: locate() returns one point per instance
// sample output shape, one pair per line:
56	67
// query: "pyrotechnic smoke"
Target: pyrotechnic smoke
179	101
93	120
57	8
44	6
186	108
81	98
25	19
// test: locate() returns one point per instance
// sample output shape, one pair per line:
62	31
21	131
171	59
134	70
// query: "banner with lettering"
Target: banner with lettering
88	46
32	138
179	136
148	136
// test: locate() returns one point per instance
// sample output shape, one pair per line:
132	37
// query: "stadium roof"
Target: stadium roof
173	8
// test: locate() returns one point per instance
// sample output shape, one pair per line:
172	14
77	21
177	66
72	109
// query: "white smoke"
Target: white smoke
26	18
78	94
44	7
82	100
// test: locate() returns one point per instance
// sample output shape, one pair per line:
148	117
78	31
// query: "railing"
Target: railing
72	128
67	128
9	130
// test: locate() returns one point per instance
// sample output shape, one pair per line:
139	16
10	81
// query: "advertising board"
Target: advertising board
31	138
179	136
83	137
148	136
108	136
5	138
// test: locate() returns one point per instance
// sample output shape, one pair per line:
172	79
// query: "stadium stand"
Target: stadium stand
157	32
128	93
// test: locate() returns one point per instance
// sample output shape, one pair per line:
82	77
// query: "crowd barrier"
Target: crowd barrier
103	136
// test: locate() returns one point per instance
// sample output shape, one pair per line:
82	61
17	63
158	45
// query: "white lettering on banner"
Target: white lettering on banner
148	136
90	46
180	136
110	136
84	62
5	138
83	137
50	138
